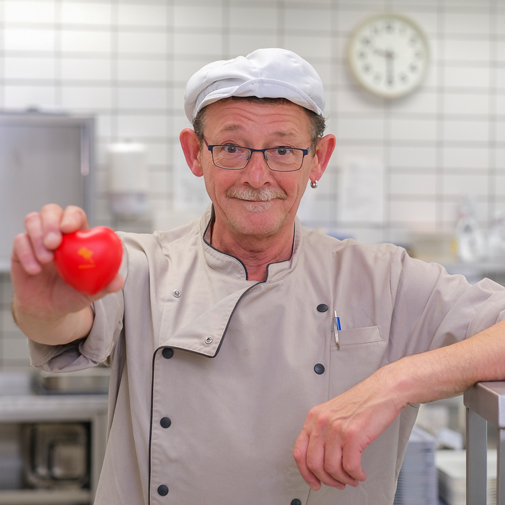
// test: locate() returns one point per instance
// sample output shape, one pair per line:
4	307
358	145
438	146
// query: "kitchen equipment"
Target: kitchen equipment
11	462
56	455
89	381
44	158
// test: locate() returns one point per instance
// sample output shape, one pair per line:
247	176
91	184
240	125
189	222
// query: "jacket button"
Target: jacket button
165	422
322	307
167	352
163	490
319	369
296	501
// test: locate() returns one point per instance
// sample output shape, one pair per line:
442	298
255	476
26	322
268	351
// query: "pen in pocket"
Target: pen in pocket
336	328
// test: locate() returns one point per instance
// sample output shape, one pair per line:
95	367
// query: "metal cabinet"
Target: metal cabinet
44	158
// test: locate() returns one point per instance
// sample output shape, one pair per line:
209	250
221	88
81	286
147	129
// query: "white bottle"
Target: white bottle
471	243
496	239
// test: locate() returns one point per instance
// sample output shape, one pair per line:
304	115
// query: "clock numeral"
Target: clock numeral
365	41
377	77
362	55
366	68
414	68
404	78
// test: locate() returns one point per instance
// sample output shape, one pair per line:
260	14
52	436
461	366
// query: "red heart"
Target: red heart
89	260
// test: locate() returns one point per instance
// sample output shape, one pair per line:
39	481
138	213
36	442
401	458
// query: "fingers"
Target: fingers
49	222
35	238
43	234
328	451
310	460
23	253
318	460
351	458
73	219
56	221
337	463
300	455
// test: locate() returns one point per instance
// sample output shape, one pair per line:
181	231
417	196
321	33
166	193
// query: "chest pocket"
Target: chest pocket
362	352
359	336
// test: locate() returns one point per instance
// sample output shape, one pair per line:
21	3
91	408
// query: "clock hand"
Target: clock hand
390	67
381	52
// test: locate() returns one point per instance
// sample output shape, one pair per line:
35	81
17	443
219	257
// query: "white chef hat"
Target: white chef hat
265	73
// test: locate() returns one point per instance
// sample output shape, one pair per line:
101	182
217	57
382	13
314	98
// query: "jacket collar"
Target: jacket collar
232	266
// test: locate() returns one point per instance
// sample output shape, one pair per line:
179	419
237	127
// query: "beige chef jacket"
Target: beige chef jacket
213	374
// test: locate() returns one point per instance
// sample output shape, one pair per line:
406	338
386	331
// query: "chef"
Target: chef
254	361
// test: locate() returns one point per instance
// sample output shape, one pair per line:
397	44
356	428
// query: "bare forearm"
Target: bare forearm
450	370
53	329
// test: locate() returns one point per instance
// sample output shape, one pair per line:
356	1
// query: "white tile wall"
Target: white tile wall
127	62
137	69
85	13
149	16
86	69
33	40
30	68
85	41
30	12
248	17
466	77
200	16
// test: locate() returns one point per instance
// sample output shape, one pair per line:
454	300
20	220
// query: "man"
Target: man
222	334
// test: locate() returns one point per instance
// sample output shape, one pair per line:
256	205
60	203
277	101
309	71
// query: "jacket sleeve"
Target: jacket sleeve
433	309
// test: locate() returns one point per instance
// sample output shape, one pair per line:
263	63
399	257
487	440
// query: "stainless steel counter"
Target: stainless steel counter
18	402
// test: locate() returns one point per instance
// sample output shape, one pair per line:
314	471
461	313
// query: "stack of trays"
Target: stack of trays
417	482
451	467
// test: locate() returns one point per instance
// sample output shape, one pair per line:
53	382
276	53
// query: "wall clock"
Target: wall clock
389	55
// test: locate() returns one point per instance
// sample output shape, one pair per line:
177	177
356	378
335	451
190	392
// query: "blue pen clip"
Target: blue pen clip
336	328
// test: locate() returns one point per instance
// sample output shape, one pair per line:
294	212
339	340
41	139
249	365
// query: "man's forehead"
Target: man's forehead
231	115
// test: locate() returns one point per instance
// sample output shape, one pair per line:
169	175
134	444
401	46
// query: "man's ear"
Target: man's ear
191	147
324	150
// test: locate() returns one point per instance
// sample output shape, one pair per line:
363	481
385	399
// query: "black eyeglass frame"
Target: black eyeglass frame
263	151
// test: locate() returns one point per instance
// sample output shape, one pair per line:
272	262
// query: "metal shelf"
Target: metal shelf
45	497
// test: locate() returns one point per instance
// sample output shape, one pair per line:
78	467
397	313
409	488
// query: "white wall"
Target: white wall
128	61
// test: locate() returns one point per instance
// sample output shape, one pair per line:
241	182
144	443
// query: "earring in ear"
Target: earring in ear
313	184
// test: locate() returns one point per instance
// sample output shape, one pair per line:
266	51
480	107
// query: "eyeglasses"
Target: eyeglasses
278	159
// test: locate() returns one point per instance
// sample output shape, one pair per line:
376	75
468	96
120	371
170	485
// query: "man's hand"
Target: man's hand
46	308
328	450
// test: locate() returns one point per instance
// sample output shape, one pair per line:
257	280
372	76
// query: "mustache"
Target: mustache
257	195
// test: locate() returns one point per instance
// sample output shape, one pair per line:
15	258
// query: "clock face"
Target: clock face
388	55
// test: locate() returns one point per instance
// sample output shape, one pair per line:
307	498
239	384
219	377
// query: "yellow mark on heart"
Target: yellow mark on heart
86	254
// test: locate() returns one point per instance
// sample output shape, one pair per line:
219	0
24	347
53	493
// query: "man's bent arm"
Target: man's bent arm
329	448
